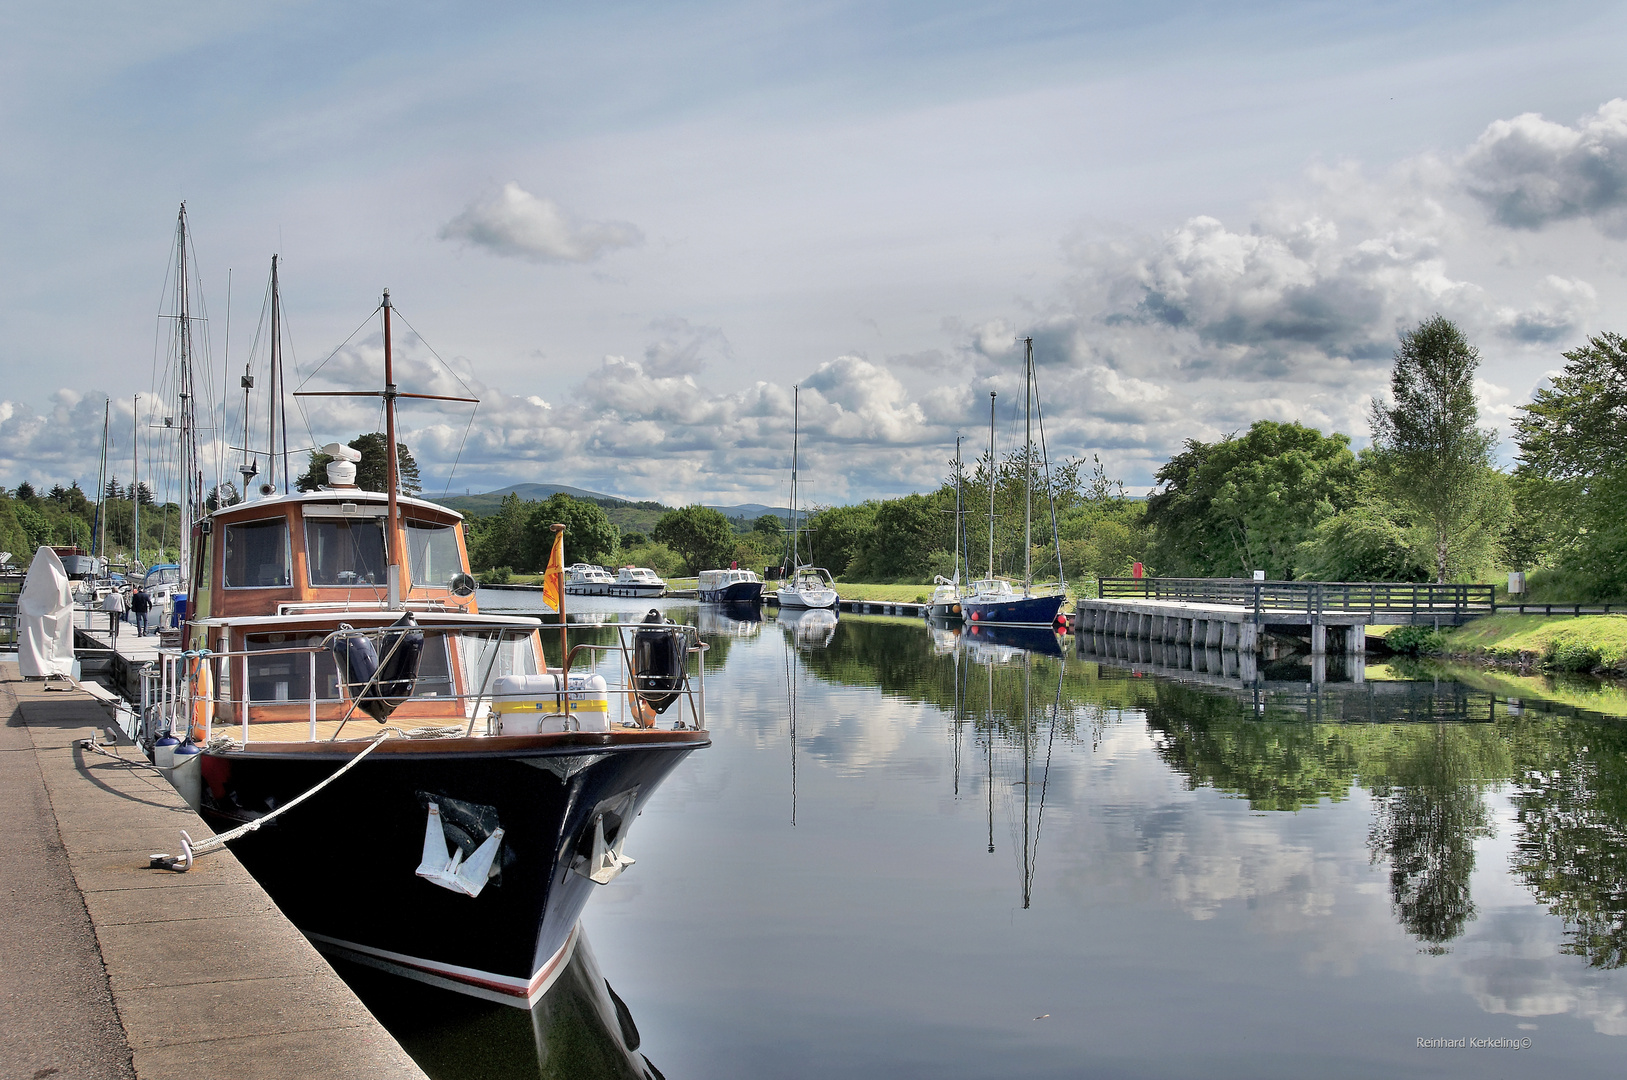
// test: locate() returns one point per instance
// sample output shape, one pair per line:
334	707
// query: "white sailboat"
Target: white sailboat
946	594
807	586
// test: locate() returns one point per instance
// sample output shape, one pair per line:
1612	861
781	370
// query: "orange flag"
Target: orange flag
553	579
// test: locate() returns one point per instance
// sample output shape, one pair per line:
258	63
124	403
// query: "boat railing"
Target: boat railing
182	687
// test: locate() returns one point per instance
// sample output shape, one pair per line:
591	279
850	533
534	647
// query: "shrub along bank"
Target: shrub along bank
1596	643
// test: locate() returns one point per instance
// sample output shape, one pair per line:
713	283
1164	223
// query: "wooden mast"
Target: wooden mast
392	469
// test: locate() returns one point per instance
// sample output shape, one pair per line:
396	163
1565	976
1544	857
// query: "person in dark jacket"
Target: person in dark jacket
140	604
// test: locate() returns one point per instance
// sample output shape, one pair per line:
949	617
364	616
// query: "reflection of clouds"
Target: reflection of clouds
1127	847
1512	967
878	734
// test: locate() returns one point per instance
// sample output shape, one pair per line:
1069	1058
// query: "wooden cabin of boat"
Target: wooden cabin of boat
272	579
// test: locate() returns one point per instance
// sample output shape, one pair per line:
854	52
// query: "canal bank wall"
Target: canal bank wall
112	969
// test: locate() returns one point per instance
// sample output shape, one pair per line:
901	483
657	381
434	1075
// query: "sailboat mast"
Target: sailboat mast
135	471
1028	469
246	468
796	437
188	450
101	485
390	458
960	534
276	389
993	473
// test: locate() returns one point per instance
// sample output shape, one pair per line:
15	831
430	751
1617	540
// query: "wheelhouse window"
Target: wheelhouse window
345	552
257	554
432	553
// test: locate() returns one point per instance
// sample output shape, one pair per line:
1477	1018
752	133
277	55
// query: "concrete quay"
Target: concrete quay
114	970
1218	626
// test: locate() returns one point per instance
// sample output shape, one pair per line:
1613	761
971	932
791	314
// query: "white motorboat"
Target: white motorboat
637	581
584	579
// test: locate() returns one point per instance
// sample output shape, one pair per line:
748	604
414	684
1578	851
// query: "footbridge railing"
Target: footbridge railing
1311	597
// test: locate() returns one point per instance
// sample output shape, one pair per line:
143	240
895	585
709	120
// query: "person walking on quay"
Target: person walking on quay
113	604
140	604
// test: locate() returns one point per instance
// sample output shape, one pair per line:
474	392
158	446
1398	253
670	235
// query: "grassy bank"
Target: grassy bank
1583	643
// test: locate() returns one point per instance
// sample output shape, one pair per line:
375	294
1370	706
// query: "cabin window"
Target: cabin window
486	656
432	552
345	551
434	672
280	669
257	554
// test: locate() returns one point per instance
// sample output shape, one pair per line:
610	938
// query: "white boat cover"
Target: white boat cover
45	618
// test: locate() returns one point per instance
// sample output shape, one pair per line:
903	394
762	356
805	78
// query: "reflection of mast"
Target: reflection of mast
960	708
1031	853
989	679
1028	715
791	713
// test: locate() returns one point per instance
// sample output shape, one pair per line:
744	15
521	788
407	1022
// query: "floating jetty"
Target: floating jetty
117	970
1235	613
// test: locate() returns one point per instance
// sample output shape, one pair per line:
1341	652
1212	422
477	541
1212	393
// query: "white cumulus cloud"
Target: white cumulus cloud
516	223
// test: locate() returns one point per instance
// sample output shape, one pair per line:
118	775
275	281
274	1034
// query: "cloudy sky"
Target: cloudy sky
631	228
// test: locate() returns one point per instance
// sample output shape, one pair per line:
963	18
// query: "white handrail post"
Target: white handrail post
243	707
312	686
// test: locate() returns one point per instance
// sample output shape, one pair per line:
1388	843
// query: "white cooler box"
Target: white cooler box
533	704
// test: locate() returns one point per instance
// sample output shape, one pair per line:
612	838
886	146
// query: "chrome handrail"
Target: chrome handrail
168	698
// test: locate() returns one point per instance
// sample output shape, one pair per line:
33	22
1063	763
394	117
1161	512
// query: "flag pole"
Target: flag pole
559	546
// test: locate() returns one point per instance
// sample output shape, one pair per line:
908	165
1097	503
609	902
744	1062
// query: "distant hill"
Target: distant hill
629	515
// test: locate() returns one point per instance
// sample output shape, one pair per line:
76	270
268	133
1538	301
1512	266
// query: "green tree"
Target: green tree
372	472
1577	427
703	537
500	539
590	536
1248	503
903	537
26	493
1569	480
835	536
1434	455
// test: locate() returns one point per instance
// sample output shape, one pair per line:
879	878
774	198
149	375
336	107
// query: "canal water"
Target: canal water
912	853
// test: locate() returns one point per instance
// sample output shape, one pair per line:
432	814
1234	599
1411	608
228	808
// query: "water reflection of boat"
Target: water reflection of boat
808	627
729	620
579	1028
945	634
1009	730
1029	639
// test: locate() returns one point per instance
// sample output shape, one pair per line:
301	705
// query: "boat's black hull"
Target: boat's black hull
1017	611
342	865
738	592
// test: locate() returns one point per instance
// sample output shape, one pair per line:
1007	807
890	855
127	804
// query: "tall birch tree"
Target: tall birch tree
1435	457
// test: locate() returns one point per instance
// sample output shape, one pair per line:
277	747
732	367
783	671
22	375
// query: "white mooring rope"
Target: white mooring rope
183	862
